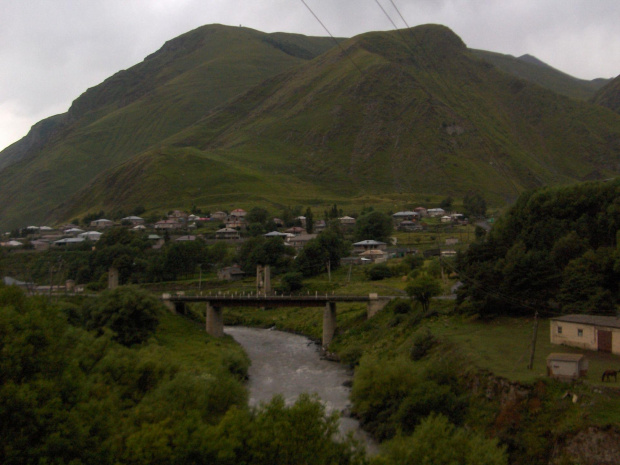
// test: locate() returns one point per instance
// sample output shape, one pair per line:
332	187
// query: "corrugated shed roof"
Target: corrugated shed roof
594	320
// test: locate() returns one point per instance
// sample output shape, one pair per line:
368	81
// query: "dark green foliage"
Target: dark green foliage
309	220
291	282
554	246
374	226
325	250
422	342
69	397
130	312
262	251
395	395
437	441
474	205
257	215
423	288
378	272
399	306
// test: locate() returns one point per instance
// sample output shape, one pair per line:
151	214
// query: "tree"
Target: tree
312	259
257	215
130	312
375	226
438	441
446	203
423	288
309	220
474	204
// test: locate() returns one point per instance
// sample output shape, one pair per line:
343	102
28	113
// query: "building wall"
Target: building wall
564	369
588	339
570	335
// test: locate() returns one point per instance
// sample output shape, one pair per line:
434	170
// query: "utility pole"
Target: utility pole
533	345
329	270
200	277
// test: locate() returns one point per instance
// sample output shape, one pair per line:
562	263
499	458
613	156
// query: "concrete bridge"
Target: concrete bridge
215	304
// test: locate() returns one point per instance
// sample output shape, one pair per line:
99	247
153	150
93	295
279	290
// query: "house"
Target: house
300	241
296	230
421	211
566	366
157	241
12	243
227	233
363	246
407	225
301	220
91	235
69	242
219	216
231	273
452	241
40	245
436	212
347	221
448	253
375	255
101	223
592	332
276	234
233	223
73	231
133	220
185	238
446	219
405	215
278	222
237	214
319	225
169	224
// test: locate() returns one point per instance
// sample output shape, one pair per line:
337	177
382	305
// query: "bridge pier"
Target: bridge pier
375	305
329	323
215	321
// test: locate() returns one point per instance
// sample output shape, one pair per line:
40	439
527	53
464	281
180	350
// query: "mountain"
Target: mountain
609	95
534	70
138	108
230	116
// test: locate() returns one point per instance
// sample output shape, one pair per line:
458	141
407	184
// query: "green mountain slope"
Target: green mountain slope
135	109
411	112
224	116
609	96
532	69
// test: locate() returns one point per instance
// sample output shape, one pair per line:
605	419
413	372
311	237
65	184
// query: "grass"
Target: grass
189	346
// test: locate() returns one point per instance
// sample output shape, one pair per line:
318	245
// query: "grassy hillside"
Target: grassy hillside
234	116
134	109
533	70
609	96
397	114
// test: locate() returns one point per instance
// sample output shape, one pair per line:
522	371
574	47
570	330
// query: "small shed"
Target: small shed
566	366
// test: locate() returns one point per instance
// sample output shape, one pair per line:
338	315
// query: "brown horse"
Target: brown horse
608	374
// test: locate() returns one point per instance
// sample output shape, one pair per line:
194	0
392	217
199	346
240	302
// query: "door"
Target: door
604	341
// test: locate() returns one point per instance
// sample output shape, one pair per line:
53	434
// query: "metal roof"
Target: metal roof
594	320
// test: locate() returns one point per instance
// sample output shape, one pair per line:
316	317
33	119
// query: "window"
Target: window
559	330
579	332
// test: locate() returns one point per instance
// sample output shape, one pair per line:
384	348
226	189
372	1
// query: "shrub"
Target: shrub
378	272
130	312
423	341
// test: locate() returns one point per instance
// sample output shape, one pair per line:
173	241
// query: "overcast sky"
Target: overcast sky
51	51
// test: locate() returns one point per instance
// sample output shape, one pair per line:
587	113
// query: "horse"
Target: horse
608	374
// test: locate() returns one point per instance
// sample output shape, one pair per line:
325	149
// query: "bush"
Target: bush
130	312
423	341
291	282
378	272
399	306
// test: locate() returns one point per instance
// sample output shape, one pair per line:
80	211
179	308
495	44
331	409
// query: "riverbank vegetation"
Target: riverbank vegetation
72	396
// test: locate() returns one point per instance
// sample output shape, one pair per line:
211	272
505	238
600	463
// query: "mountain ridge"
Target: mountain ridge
383	114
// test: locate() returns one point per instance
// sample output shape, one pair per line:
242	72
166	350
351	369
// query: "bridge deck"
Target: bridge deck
271	300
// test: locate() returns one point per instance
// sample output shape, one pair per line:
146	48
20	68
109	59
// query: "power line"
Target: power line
333	38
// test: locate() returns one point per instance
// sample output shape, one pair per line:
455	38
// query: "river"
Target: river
289	364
